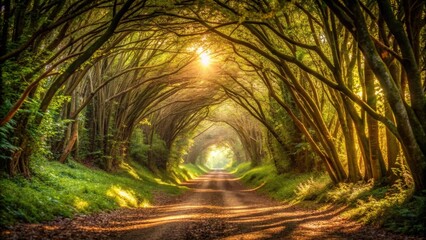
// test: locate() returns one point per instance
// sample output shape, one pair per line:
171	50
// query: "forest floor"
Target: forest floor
217	206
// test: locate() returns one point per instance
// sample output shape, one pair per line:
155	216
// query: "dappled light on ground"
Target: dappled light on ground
125	198
129	169
216	207
80	204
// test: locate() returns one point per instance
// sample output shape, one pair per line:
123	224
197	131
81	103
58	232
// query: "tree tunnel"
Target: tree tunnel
303	85
217	147
218	157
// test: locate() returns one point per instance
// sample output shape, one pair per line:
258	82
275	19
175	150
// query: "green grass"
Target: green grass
393	207
66	189
285	187
187	171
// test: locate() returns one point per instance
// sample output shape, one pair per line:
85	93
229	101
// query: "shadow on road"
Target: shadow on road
217	206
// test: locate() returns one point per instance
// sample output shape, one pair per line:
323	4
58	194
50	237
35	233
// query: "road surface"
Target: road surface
217	206
220	207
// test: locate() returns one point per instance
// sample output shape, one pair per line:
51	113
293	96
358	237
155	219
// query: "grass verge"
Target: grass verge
186	172
393	207
290	187
67	189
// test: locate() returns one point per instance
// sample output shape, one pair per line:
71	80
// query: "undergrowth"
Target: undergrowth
66	189
393	207
284	187
189	171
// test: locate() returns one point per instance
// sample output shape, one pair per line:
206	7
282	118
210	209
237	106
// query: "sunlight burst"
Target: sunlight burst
205	58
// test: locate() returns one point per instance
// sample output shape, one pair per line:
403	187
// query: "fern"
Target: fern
6	145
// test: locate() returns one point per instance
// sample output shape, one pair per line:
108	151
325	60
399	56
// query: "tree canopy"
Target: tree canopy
306	85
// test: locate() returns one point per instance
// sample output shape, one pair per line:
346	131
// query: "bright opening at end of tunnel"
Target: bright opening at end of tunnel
204	55
219	157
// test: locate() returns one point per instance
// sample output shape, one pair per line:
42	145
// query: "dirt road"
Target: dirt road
218	206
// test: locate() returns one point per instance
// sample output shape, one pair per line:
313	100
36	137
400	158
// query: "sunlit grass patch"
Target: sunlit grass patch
188	171
66	189
391	206
130	170
350	192
239	169
313	188
80	204
123	197
285	187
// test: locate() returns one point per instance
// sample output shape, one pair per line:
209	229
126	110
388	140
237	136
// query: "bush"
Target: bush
138	150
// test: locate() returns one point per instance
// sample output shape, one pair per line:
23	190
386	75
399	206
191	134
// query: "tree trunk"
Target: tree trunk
354	174
19	161
414	155
70	143
376	158
392	144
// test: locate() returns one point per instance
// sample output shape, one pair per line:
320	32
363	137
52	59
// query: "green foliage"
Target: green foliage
6	146
389	206
159	150
408	217
186	172
287	187
349	193
312	189
240	168
138	150
392	206
13	73
52	127
178	151
65	189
